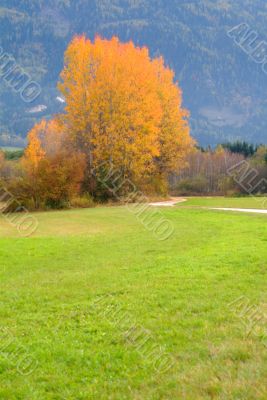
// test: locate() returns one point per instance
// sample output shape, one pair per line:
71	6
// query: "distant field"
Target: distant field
10	148
240	202
93	297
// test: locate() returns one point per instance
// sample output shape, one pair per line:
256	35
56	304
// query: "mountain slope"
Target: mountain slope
223	88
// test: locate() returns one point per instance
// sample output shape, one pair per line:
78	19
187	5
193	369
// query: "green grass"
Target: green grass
228	202
177	292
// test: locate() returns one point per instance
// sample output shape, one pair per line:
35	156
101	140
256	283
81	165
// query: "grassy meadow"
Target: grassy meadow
229	202
91	298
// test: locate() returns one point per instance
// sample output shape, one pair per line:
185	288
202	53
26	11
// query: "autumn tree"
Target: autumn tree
124	108
34	152
53	171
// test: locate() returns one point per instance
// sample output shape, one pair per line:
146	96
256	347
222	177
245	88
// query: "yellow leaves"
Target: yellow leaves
34	153
54	171
45	139
123	106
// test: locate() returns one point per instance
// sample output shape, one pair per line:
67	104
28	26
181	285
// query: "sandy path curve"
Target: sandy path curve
168	203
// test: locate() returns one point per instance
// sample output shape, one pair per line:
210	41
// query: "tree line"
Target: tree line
123	112
227	170
124	109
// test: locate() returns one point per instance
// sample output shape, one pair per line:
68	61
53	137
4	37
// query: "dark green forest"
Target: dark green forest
223	88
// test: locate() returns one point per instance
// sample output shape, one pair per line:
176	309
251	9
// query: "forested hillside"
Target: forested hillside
223	88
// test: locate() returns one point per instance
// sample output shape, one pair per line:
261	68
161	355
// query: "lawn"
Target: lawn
103	310
228	202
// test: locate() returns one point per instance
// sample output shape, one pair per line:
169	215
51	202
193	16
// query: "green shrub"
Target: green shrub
56	204
191	186
13	154
85	201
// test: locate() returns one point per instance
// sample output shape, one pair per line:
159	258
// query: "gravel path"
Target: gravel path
246	210
176	200
169	203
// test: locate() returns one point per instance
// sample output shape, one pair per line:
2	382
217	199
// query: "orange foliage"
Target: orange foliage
34	152
123	107
174	137
54	173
